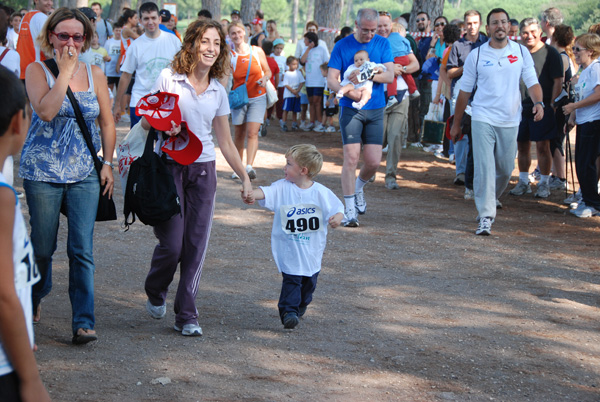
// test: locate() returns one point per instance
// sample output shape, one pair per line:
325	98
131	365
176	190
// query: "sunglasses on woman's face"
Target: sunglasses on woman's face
64	37
443	24
578	49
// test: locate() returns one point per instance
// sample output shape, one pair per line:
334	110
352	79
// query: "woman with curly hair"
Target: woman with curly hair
193	75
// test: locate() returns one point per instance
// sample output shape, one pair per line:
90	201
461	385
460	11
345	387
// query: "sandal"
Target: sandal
84	336
38	314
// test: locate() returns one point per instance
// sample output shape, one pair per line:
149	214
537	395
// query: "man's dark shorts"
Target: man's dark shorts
544	129
361	126
113	80
314	91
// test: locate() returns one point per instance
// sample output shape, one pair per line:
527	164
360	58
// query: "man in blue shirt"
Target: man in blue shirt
165	17
360	127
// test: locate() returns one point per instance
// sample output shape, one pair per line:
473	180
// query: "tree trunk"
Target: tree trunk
310	11
116	8
248	9
294	33
434	8
328	14
348	22
214	6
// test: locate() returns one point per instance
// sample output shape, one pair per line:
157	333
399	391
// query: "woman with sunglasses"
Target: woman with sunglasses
57	166
437	44
587	119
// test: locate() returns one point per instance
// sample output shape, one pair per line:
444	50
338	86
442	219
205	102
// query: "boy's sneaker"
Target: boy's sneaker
330	129
156	312
469	194
319	128
295	127
485	227
557	184
350	218
543	191
391	102
283	126
584	211
290	320
309	127
189	329
251	172
414	95
360	203
521	188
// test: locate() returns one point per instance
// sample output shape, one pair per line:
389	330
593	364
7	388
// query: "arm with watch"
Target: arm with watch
535	92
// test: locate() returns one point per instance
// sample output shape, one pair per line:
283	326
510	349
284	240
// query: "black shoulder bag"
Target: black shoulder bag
106	206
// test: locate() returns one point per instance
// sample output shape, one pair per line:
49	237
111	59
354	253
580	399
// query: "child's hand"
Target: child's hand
247	193
175	129
106	58
336	220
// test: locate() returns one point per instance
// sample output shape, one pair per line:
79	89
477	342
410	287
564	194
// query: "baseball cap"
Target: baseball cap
165	14
88	13
185	147
160	109
235	12
278	41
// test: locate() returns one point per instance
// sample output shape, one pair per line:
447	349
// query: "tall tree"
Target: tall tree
310	6
434	8
214	6
116	8
348	21
295	12
327	15
248	9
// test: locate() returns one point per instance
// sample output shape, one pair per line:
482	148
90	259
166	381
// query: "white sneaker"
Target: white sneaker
543	191
156	312
384	150
189	329
319	128
360	203
557	184
521	188
485	227
469	194
584	211
416	145
125	118
350	218
308	127
251	172
234	176
452	159
330	129
414	95
391	102
573	198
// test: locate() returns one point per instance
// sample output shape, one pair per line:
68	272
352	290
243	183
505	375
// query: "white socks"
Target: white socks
524	177
359	185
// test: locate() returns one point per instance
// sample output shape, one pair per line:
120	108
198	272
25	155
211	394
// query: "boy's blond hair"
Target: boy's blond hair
306	156
397	27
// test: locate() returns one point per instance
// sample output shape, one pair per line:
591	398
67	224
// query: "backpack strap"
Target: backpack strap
4	53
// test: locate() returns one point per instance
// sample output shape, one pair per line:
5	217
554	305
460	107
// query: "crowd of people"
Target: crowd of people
503	88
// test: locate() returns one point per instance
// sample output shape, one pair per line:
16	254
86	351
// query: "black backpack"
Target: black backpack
150	193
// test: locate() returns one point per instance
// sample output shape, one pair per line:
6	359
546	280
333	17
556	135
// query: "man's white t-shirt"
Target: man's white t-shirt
197	110
293	79
317	56
113	47
147	58
301	48
299	233
11	60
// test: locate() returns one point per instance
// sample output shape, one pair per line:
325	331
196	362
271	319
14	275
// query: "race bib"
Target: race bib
27	272
301	218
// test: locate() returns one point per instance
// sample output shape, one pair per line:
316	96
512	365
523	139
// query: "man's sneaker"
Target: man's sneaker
535	175
391	102
543	191
262	132
290	320
469	194
557	184
573	198
330	129
452	159
156	312
391	185
234	176
360	203
319	128
295	127
251	172
302	310
485	227
584	211
308	127
414	95
416	145
303	125
498	204
385	149
521	188
459	180
189	329
350	218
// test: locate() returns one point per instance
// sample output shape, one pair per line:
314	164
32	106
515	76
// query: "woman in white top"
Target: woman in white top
587	118
194	76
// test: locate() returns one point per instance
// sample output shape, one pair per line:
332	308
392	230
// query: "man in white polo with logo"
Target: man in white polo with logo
495	69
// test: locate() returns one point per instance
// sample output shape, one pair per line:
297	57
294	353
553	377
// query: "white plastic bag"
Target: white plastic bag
435	112
131	148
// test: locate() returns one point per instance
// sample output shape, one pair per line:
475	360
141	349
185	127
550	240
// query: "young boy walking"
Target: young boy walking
19	376
303	208
293	80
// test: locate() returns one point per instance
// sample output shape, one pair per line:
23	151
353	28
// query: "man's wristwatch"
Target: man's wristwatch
404	69
540	103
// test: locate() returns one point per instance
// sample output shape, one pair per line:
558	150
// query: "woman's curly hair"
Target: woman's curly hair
186	59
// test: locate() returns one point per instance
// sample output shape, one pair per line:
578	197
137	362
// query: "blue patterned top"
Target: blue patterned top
56	151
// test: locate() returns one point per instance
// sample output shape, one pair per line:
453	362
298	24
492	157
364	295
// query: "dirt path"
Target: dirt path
410	306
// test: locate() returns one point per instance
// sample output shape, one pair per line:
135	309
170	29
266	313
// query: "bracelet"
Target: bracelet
107	163
540	103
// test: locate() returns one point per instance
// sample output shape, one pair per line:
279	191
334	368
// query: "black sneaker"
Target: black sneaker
302	310
290	320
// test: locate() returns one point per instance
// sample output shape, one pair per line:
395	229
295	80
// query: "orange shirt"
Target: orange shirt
239	65
26	44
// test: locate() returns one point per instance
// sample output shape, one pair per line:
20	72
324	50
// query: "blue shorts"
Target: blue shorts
291	104
364	126
544	129
303	99
314	91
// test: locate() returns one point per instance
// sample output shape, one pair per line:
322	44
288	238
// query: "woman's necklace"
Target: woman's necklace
78	67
